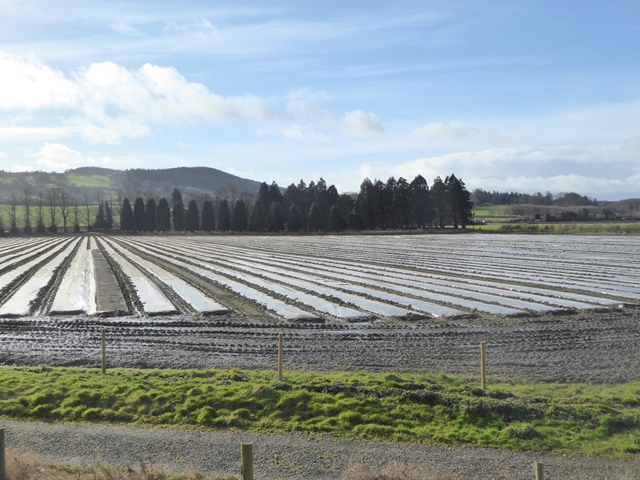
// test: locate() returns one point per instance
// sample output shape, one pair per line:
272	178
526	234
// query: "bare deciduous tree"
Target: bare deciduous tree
64	201
87	211
52	200
76	214
27	200
12	211
40	212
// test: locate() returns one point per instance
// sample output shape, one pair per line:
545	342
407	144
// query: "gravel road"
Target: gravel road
290	456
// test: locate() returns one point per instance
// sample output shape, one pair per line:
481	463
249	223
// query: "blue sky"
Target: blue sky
509	95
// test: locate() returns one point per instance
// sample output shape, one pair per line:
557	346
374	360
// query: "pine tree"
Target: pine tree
460	204
178	217
257	220
355	221
336	221
208	217
163	216
108	216
138	215
239	217
224	216
126	216
440	202
192	217
176	197
294	224
421	211
99	223
314	219
149	221
277	218
401	203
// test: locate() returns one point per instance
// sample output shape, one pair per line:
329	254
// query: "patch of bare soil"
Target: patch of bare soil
589	346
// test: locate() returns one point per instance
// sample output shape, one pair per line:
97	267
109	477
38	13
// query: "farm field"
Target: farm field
546	306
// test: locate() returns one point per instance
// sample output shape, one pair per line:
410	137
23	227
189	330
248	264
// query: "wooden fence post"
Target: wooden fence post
539	469
104	350
280	356
483	366
247	461
3	466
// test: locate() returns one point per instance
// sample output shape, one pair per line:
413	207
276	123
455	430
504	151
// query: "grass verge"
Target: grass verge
436	408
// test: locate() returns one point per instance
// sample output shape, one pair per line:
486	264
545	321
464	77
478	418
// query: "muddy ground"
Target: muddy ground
588	346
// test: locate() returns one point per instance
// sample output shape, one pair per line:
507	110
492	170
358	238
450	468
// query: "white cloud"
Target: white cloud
57	152
562	183
358	122
456	130
34	133
113	102
27	84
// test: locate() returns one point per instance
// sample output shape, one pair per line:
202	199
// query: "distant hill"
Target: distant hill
105	181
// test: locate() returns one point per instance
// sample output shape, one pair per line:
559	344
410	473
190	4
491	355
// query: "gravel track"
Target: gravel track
290	456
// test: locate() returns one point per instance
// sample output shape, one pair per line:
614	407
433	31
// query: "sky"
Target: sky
509	95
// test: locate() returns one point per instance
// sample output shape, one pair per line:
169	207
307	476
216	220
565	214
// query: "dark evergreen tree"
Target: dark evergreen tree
108	216
257	220
421	213
401	204
138	215
176	197
192	217
100	222
126	216
460	204
337	222
294	223
355	221
314	219
345	203
149	221
239	217
365	204
163	216
178	217
440	202
208	217
276	216
224	216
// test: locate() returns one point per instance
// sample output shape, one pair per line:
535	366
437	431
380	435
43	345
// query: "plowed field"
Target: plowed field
555	307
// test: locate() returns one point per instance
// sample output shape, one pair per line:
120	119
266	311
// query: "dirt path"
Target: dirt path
290	456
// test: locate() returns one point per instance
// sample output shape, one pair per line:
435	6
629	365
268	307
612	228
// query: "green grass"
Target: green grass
573	418
492	211
96	181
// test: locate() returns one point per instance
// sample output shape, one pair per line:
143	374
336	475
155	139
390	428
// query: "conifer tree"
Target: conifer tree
163	216
239	217
126	216
208	223
277	218
314	219
294	223
421	210
256	220
224	216
336	222
100	222
138	215
149	221
178	217
192	217
108	216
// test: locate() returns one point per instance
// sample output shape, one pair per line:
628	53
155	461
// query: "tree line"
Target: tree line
316	207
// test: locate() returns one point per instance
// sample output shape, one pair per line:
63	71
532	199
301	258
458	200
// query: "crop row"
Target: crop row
350	278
